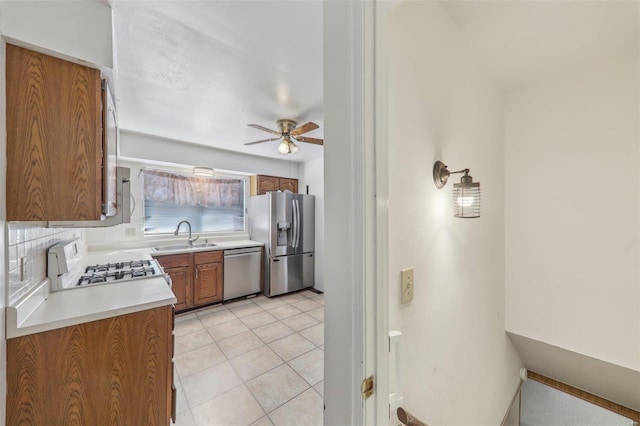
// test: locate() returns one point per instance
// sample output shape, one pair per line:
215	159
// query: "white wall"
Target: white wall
149	147
458	366
77	29
571	212
312	174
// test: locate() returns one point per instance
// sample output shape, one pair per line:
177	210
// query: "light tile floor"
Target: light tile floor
258	361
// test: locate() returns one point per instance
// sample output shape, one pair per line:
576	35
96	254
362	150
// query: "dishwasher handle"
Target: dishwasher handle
242	251
250	253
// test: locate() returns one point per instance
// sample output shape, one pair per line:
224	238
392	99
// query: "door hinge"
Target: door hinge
367	387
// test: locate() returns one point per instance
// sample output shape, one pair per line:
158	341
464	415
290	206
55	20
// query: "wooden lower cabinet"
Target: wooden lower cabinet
207	286
197	278
181	286
115	371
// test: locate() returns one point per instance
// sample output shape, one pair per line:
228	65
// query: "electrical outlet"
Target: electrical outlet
406	285
130	232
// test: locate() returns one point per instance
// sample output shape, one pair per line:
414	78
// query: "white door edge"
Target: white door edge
356	212
344	211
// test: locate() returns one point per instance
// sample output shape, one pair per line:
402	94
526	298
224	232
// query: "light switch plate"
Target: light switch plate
406	285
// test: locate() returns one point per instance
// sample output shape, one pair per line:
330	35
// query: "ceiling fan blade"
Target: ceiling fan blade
306	127
263	140
264	129
309	140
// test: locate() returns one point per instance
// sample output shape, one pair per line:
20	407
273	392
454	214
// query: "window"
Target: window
209	203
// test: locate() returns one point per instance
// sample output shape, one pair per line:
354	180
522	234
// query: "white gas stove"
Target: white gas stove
70	266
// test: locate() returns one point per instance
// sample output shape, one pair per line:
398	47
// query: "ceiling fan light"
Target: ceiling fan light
293	148
283	148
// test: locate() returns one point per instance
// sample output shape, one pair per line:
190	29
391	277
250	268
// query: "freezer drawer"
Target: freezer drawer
241	272
289	273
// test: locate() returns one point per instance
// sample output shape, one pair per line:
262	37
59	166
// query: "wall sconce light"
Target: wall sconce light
466	194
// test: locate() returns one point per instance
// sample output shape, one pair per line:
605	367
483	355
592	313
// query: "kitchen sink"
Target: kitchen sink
185	247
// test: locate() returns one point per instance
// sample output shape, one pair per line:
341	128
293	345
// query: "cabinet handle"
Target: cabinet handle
196	273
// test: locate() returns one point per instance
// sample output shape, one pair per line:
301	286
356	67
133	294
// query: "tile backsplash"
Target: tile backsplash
27	244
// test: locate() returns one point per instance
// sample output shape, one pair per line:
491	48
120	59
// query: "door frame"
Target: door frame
356	206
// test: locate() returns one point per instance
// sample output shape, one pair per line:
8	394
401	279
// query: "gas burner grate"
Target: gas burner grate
92	279
117	266
142	272
96	268
138	264
103	277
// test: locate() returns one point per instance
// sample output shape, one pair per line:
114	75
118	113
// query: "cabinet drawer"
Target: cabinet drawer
174	260
207	257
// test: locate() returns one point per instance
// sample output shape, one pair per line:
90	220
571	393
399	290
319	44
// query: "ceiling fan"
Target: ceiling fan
288	131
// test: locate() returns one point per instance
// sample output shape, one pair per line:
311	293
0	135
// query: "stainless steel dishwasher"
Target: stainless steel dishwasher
242	272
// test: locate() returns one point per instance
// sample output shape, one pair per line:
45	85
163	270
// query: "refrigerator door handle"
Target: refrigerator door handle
298	230
297	223
294	230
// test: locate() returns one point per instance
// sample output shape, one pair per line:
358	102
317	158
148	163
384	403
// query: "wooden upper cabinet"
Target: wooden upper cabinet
54	138
261	184
289	185
267	184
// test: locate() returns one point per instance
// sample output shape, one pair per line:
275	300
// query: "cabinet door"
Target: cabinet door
181	286
54	138
286	184
179	267
267	184
115	371
207	286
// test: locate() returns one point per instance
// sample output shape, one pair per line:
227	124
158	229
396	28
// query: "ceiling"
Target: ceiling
200	71
518	41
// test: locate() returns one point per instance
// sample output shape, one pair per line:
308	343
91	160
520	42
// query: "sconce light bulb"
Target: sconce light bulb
466	201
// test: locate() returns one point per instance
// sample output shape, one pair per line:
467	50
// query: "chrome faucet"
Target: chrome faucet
189	240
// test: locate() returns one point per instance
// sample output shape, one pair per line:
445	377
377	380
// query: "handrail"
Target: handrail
408	419
512	416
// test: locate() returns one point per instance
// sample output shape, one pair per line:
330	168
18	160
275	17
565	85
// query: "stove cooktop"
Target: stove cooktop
70	266
100	274
118	266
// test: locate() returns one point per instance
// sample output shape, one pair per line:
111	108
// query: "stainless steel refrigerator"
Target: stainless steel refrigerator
284	222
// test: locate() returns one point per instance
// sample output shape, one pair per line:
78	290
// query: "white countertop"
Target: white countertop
223	245
43	310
